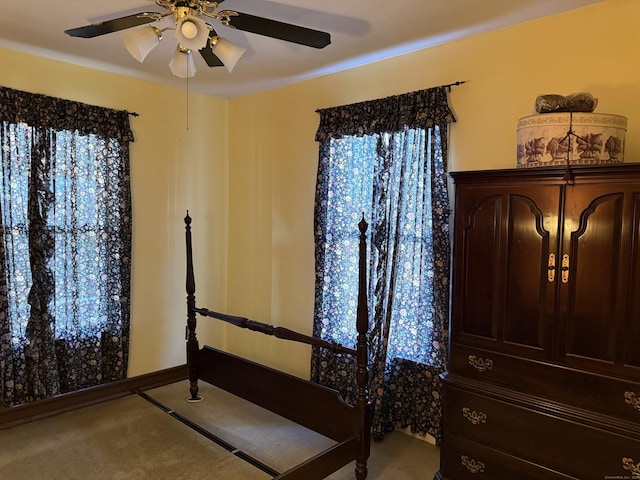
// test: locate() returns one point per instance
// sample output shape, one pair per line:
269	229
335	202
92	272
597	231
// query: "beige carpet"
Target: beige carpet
124	439
282	444
131	439
268	437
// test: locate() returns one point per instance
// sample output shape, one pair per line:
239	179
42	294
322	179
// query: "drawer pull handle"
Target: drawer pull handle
634	468
474	417
632	399
480	364
474	466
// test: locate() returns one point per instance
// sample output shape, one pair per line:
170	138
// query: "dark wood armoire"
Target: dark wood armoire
543	380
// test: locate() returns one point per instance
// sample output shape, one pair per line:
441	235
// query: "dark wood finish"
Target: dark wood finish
192	340
324	463
363	413
29	412
273	330
486	463
316	407
501	241
597	393
543	378
578	448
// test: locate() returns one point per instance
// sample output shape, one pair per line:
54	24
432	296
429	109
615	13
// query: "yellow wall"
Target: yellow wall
273	155
246	168
172	170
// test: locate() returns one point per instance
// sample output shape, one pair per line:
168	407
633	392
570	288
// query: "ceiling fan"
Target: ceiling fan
194	33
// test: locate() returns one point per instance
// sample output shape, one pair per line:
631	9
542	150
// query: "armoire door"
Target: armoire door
506	266
599	308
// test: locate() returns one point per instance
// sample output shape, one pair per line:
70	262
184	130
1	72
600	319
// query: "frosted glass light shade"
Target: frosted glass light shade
140	41
228	52
182	64
192	32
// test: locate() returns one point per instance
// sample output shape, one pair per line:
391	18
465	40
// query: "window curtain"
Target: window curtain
392	169
65	245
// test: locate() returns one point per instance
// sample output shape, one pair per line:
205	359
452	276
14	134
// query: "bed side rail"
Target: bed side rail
308	404
278	332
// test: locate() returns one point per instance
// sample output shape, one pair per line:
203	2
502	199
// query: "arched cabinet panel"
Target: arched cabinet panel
501	277
481	258
529	245
630	332
593	309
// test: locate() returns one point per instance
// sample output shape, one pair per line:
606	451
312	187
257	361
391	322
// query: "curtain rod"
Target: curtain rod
133	114
453	84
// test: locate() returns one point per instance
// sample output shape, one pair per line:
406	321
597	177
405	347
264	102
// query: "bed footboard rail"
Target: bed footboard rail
279	332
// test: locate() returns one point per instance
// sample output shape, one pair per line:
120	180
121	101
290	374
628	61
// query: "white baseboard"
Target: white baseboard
425	438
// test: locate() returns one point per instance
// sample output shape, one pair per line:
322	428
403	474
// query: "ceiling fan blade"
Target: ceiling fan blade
280	30
102	28
208	55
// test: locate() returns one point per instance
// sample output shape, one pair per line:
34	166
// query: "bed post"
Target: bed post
363	409
192	340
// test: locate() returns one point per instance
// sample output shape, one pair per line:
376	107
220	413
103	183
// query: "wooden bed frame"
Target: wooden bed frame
313	406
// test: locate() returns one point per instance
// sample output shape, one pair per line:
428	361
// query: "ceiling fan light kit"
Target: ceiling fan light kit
194	33
229	53
140	41
182	64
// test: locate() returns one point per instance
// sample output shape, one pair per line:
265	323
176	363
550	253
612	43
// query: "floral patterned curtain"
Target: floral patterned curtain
65	245
385	159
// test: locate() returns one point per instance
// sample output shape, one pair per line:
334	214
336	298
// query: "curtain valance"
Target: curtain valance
420	109
40	110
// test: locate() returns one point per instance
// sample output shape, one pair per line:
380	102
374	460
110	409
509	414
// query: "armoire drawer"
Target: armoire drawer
462	459
599	393
540	436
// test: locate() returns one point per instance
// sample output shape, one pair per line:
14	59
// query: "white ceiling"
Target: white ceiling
362	31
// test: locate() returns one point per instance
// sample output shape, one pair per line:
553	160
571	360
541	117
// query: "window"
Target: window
384	159
350	195
65	247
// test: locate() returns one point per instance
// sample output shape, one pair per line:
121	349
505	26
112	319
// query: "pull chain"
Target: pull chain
188	95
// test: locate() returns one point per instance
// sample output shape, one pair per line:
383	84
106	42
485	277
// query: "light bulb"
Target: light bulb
192	33
189	29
